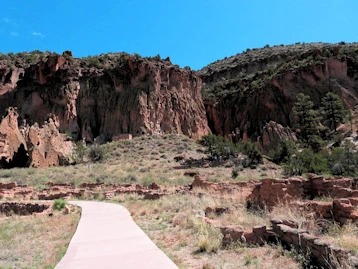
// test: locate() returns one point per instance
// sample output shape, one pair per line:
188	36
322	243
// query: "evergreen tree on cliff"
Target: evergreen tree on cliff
333	109
305	116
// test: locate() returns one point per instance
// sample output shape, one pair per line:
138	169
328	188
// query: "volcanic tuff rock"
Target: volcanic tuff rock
32	145
272	134
250	89
115	94
106	96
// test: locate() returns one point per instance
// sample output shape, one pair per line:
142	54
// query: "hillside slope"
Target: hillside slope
248	90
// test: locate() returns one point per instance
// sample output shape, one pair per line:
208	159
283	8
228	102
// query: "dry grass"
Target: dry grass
35	241
142	160
343	236
173	224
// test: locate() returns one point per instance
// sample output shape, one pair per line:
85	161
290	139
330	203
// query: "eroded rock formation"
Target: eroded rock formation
261	85
32	146
125	95
272	134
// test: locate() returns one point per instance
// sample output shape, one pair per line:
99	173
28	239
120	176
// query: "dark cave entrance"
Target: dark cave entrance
20	159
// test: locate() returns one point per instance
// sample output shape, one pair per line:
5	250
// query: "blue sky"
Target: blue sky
191	32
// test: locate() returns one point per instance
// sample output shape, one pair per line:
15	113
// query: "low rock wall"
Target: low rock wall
227	187
321	253
22	209
68	191
271	192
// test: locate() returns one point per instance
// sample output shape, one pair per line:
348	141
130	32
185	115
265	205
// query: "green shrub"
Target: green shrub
235	172
96	153
307	161
59	204
337	169
4	57
254	156
80	152
219	147
337	139
316	143
282	153
343	160
94	61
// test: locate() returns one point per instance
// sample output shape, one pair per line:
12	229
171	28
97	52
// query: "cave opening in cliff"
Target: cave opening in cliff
20	159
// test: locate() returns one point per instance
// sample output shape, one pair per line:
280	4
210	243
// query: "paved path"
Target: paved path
108	238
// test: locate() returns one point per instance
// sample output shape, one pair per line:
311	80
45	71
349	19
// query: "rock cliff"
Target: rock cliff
105	96
113	94
249	90
32	146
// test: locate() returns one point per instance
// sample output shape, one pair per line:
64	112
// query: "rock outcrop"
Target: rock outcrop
123	94
261	85
12	142
272	134
32	146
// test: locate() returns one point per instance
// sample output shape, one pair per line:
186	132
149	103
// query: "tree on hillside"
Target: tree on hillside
349	158
344	160
305	116
333	109
219	146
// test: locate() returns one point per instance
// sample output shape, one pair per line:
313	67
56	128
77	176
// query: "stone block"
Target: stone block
122	137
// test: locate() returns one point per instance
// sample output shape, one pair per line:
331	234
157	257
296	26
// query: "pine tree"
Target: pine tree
333	109
305	116
350	119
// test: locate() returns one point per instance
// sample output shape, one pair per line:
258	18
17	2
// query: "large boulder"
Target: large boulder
272	134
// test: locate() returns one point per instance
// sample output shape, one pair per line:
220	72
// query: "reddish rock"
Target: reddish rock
232	233
32	145
21	209
190	174
217	210
11	138
132	95
152	196
8	186
122	137
269	93
272	134
154	186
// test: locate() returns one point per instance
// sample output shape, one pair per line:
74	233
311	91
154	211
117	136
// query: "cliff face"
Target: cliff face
108	97
114	94
32	146
248	90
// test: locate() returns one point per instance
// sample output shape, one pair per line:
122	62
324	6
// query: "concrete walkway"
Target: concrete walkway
107	237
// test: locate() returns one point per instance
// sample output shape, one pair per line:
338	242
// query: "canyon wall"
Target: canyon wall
249	90
100	100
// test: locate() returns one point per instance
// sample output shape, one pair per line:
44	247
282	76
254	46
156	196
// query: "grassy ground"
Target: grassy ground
172	223
35	241
141	160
